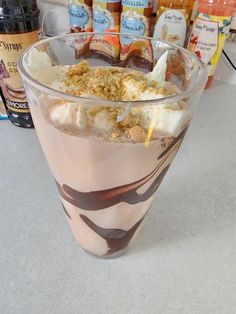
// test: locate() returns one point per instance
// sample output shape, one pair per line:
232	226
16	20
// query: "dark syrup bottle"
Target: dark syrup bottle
19	28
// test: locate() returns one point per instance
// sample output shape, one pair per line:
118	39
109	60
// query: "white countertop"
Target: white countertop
183	260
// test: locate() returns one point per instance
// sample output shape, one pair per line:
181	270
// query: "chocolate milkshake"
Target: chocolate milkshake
107	161
106	188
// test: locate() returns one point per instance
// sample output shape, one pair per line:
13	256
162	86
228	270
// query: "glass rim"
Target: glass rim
49	90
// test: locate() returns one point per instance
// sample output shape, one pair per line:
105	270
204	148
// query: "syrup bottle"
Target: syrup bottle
210	29
173	19
19	28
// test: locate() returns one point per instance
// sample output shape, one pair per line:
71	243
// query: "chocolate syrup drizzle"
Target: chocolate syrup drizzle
105	198
117	239
97	200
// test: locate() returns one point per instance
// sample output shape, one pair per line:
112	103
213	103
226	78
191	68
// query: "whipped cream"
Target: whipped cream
69	114
159	72
165	121
38	60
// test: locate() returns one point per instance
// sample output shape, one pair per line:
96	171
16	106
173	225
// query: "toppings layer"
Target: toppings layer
111	83
123	123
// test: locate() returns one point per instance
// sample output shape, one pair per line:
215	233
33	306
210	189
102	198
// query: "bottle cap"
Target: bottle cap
18	9
15	13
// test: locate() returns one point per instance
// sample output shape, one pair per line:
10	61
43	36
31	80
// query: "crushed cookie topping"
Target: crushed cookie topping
78	69
109	83
137	134
116	123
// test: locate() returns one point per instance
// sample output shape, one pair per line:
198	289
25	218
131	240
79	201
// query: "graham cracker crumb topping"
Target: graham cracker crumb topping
118	123
137	134
108	83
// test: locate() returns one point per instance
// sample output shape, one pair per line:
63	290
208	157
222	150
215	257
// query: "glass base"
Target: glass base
110	256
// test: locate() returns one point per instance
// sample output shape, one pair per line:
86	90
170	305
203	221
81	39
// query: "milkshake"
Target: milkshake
107	142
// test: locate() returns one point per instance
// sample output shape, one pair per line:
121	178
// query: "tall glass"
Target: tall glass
107	186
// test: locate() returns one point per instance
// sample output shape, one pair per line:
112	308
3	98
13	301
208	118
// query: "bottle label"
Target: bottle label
102	19
11	48
137	3
80	16
171	26
207	38
133	24
106	18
